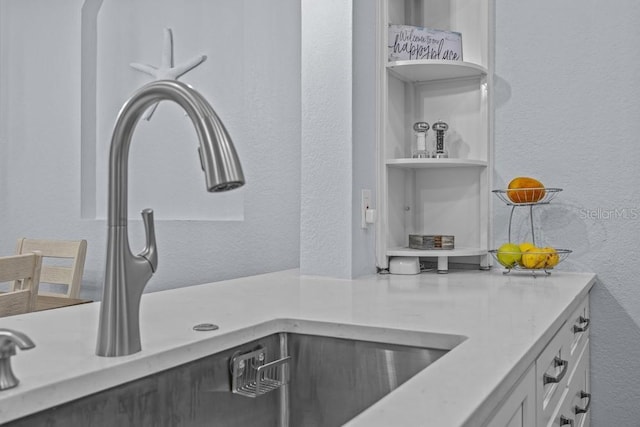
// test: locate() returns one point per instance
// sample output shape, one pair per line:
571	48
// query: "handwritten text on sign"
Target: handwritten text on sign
407	42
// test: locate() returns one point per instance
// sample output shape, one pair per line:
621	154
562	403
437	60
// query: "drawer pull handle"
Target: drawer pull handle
564	421
557	362
579	410
584	325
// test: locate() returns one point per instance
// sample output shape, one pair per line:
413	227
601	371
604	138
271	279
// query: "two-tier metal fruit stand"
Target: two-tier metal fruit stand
530	197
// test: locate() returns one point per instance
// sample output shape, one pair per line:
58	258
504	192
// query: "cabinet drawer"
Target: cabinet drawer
578	326
574	408
552	374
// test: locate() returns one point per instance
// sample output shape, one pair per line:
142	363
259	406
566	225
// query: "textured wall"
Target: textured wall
338	134
338	151
567	90
47	128
364	146
40	140
325	234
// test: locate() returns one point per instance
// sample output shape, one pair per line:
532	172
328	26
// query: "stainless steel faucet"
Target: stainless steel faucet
9	339
127	274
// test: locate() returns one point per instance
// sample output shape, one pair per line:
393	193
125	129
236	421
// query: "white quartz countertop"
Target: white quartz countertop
501	323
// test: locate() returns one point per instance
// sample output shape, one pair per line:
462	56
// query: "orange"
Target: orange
524	189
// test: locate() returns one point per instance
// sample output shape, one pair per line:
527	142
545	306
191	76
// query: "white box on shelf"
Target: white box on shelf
408	42
404	265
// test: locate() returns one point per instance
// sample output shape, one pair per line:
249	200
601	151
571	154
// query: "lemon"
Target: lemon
525	246
552	257
508	254
533	258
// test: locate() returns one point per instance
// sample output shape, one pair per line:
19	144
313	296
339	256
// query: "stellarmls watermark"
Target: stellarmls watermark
610	214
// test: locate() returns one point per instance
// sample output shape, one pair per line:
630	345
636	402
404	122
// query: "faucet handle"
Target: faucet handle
150	252
9	339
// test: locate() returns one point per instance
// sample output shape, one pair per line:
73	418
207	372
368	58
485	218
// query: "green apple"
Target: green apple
509	254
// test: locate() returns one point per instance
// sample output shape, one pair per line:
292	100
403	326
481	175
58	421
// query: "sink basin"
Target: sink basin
330	380
333	379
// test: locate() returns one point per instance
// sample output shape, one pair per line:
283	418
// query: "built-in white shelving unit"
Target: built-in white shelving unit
436	196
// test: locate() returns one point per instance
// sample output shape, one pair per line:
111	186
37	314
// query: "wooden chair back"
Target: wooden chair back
74	251
24	269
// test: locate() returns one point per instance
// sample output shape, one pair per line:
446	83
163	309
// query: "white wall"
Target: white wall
567	112
365	20
306	156
338	134
41	144
325	235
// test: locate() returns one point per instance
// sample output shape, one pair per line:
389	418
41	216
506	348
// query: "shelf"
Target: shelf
400	251
425	70
434	163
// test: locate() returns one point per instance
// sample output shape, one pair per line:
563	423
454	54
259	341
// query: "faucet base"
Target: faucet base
125	278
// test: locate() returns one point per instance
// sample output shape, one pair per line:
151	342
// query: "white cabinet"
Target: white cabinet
552	367
574	400
519	409
436	196
555	390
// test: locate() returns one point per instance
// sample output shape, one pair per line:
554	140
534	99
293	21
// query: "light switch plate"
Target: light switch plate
366	204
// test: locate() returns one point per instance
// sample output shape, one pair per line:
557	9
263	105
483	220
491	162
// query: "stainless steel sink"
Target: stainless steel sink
330	381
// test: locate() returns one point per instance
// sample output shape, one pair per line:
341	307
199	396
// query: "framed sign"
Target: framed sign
407	42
